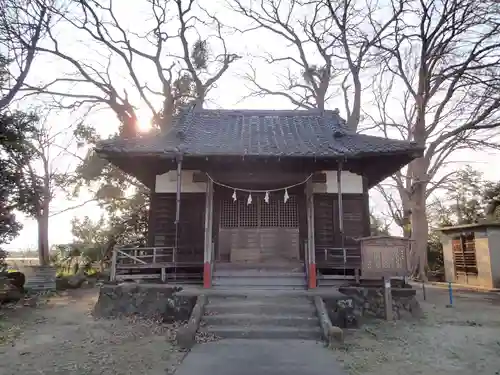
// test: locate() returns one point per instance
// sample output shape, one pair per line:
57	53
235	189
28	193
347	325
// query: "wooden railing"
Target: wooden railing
145	255
349	257
154	257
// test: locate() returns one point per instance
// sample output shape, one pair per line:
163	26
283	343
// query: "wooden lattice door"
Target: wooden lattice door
261	231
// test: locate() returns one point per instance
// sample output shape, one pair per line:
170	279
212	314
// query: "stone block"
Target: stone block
147	301
335	334
345	312
369	302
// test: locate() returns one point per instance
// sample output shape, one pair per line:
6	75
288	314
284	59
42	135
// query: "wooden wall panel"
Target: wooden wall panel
327	236
191	225
259	245
301	201
325	226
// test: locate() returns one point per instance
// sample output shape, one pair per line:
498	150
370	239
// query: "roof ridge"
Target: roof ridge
301	112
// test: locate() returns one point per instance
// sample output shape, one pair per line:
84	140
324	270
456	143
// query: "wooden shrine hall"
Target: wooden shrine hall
240	189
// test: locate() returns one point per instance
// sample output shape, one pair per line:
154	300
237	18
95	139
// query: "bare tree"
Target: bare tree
361	26
41	171
174	53
331	44
173	78
309	67
441	89
23	24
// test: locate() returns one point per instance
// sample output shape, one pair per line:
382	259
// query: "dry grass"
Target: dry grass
462	340
62	337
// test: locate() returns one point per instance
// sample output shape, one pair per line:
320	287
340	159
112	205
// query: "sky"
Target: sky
230	92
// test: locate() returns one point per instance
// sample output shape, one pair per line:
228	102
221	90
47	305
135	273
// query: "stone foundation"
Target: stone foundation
160	302
361	303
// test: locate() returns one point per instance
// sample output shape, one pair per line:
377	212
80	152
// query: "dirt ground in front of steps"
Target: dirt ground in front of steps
461	340
60	336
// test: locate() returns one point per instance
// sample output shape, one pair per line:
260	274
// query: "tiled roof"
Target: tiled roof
258	133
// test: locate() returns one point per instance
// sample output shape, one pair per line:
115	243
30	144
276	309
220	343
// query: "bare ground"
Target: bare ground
62	337
461	340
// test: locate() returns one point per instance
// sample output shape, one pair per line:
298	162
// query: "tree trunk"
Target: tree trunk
404	221
43	231
43	239
354	118
419	223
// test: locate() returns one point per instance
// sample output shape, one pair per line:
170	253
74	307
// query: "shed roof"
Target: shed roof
268	133
461	227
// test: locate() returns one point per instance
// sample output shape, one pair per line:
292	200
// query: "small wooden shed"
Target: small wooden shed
472	254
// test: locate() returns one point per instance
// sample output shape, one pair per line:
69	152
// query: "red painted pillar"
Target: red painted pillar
311	258
207	275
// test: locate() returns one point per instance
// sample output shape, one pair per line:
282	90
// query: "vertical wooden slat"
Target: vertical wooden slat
301	202
152	218
340	202
217	194
208	253
366	209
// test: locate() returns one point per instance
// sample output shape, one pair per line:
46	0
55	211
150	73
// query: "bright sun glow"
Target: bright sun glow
143	120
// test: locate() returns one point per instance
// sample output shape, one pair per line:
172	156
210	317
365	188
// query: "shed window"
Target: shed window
464	254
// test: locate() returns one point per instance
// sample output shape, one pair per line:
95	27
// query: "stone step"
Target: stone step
265	332
260	307
273	298
246	319
331	282
260	281
286	267
258	273
256	288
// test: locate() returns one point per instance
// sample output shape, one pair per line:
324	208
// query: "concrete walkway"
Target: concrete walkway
263	357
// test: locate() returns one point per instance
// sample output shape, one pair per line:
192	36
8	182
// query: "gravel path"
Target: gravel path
462	340
62	337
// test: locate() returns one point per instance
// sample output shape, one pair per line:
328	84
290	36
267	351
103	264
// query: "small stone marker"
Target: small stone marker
335	334
185	337
388	298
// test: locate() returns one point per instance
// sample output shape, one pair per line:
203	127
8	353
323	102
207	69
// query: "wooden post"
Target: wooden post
387	298
112	276
177	212
163	275
312	283
341	214
207	255
306	260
